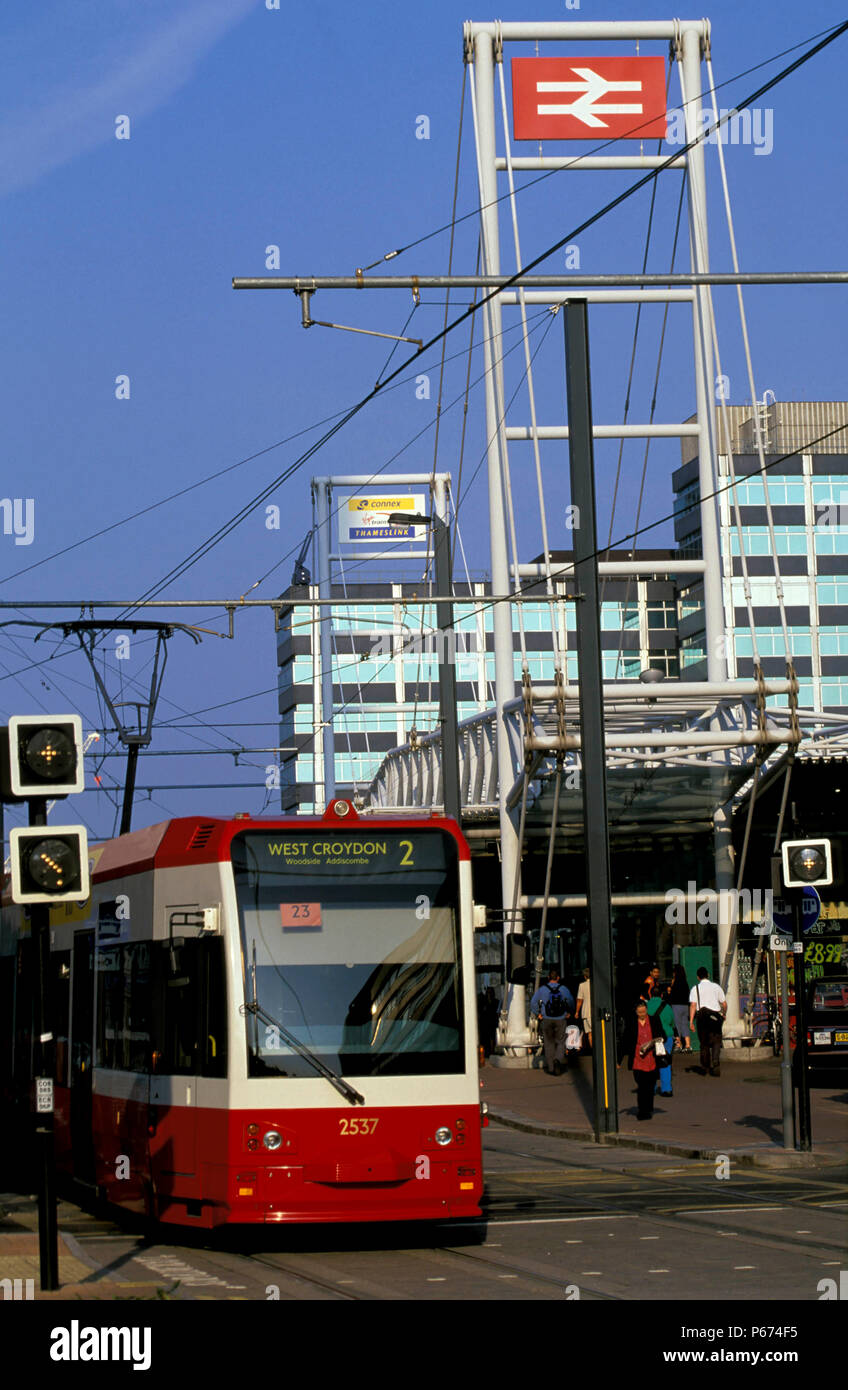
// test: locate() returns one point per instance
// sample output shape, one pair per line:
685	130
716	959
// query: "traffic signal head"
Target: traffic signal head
518	967
42	756
49	864
807	862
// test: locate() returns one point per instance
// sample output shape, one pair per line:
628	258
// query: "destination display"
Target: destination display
323	851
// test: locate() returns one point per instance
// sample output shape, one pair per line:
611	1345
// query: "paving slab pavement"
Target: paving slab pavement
737	1113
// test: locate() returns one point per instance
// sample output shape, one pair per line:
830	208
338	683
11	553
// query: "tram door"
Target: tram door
173	1080
82	1033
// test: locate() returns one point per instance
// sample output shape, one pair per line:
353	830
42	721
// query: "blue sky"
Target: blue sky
296	128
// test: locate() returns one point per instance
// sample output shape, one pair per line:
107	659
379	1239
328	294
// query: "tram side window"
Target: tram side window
60	1011
124	990
24	975
190	1027
214	1003
7	1013
109	986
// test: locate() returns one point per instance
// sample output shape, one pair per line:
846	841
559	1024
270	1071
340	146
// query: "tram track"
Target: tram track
731	1202
445	1256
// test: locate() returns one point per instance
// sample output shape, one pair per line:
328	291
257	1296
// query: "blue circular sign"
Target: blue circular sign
783	917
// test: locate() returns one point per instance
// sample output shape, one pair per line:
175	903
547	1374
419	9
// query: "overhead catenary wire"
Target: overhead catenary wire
256	501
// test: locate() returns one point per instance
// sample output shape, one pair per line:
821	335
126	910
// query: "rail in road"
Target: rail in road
560	1221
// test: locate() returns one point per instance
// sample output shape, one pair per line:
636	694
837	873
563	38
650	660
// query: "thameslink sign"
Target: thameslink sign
365	519
578	98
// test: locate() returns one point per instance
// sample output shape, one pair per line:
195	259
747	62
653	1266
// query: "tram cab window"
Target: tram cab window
350	943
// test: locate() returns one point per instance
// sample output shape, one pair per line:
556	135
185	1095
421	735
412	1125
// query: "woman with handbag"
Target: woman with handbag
707	1010
659	1008
642	1035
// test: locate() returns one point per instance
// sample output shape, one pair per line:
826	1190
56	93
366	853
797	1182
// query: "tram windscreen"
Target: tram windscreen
350	942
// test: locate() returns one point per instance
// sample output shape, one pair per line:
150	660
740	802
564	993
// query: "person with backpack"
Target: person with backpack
552	1003
707	1011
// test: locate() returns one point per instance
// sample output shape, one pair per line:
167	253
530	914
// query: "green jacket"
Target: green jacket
666	1017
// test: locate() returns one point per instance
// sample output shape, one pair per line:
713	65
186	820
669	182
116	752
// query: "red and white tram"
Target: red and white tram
265	1021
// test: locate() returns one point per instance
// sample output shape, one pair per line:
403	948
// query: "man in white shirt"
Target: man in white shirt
707	1010
584	1006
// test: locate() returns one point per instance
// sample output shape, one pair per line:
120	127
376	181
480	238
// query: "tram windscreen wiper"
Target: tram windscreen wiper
343	1087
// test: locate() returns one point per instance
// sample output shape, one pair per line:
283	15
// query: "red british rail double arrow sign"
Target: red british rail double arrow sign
583	98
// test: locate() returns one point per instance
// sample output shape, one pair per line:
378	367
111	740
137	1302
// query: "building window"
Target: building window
693	649
832	591
688	499
833	641
770	641
764	592
835	692
621	666
788	540
831	540
751	492
690	547
662	613
615	616
690	605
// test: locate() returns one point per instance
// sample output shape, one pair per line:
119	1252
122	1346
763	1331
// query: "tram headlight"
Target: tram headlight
272	1139
443	1135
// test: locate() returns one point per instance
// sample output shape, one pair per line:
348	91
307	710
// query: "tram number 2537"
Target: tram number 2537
358	1126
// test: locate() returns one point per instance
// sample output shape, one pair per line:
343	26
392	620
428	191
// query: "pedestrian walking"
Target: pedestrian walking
707	1009
551	1004
659	1008
678	998
651	983
584	1005
641	1036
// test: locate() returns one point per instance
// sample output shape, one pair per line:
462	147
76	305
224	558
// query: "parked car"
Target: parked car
827	1026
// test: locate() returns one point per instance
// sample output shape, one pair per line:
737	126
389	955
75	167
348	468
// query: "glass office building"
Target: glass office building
385	659
808	493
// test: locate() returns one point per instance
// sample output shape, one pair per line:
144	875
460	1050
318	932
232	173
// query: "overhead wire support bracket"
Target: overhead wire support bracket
86	632
307	321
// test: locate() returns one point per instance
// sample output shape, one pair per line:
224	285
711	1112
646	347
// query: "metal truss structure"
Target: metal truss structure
675	754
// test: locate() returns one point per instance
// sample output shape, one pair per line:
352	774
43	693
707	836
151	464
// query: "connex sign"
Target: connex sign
576	98
365	519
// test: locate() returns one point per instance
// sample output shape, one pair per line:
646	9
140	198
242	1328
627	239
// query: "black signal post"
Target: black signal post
592	743
41	756
804	1139
44	1071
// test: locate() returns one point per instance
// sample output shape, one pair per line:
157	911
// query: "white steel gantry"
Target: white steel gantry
484	49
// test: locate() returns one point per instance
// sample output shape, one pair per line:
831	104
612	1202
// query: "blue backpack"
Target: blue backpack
556	1006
